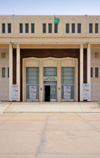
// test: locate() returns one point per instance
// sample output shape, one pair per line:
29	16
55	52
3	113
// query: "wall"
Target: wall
60	37
4	82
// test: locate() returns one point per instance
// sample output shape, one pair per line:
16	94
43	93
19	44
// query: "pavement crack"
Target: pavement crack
88	122
41	141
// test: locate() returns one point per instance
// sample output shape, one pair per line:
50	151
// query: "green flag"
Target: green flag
56	20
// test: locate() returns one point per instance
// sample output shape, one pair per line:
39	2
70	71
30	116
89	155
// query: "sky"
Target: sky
49	7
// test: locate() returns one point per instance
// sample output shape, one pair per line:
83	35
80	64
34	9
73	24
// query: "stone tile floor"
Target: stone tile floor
62	107
50	135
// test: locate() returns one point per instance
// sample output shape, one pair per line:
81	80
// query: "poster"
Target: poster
52	90
67	92
14	92
85	91
32	90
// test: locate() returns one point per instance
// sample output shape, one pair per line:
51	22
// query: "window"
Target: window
73	28
90	28
96	72
32	28
67	80
32	82
26	28
44	28
8	71
67	28
21	28
3	72
50	28
96	28
9	28
91	72
55	28
3	28
79	28
50	71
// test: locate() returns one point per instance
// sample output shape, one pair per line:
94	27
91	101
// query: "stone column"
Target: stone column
18	70
10	69
41	88
88	68
58	81
81	70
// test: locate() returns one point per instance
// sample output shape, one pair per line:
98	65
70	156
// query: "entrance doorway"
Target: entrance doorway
47	93
50	84
50	93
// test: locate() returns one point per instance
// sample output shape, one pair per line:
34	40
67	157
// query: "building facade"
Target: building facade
44	59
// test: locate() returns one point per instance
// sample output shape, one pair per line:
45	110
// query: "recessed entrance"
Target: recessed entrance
50	84
47	93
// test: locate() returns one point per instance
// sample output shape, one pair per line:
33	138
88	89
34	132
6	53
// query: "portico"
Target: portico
48	62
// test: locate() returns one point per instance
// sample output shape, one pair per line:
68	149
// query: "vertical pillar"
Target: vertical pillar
41	89
88	68
10	69
81	70
58	81
18	70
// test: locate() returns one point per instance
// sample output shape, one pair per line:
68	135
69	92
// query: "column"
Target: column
88	68
58	81
18	70
41	89
81	70
10	69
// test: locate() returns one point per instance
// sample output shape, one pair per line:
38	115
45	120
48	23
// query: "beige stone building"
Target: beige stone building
49	62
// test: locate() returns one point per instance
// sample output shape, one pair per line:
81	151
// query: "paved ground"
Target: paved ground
3	106
50	135
53	107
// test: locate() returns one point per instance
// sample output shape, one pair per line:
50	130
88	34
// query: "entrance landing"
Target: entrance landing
70	107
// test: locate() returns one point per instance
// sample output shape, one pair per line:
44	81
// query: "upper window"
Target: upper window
44	28
96	72
67	28
26	28
9	28
90	28
79	28
49	28
3	28
32	28
73	28
21	28
96	28
55	28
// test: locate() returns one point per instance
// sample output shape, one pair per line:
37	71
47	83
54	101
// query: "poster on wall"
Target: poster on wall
32	90
52	90
85	91
14	92
67	92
